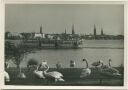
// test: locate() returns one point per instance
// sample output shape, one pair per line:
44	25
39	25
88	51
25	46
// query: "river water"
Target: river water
93	50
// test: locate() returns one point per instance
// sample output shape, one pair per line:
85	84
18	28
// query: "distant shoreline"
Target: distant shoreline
103	47
34	45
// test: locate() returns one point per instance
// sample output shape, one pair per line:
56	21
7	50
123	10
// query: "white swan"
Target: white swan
106	66
6	64
21	75
96	64
110	70
86	71
53	76
38	73
6	77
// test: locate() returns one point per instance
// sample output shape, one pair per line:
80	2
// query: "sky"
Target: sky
56	18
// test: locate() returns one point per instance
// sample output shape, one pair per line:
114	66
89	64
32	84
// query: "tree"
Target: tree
15	52
18	55
8	50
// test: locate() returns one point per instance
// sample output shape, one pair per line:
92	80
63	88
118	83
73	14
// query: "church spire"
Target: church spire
94	30
41	29
73	32
65	31
102	31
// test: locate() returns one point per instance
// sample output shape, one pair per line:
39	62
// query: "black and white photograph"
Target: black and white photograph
63	89
64	44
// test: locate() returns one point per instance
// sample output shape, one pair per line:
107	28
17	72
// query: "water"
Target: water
95	50
104	43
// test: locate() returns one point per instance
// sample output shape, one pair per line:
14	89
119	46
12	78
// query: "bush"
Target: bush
32	62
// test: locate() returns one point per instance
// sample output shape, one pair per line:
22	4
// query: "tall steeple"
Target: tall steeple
73	32
65	31
102	31
94	30
41	29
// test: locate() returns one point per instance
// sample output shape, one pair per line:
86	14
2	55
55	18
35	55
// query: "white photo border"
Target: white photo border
2	27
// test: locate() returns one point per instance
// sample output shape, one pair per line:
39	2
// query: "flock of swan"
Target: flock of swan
103	69
51	76
86	71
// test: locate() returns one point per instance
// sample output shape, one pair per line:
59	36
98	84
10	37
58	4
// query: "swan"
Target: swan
110	70
86	71
52	76
98	63
38	73
6	64
21	75
105	66
6	76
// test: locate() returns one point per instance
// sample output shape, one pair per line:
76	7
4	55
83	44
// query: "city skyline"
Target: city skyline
57	18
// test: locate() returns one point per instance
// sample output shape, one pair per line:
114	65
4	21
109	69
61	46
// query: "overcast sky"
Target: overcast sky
55	18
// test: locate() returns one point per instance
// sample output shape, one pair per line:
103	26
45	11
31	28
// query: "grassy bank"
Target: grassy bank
71	77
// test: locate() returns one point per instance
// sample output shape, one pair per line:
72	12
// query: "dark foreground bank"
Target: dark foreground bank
71	77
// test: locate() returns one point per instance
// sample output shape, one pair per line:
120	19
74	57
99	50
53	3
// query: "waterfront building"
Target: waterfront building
38	35
50	36
14	35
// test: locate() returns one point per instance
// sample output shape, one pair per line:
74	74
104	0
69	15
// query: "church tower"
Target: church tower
65	31
94	30
102	33
73	32
41	29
